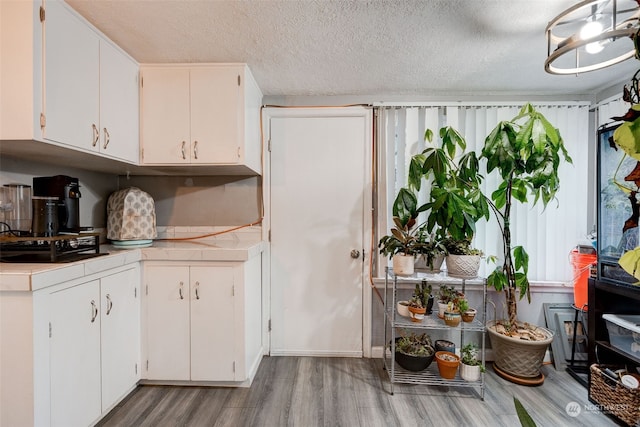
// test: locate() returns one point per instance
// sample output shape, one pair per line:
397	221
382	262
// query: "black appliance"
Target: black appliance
67	190
48	249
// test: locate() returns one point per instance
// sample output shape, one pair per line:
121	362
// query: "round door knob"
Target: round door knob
355	253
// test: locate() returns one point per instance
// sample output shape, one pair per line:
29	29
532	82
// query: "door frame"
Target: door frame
367	233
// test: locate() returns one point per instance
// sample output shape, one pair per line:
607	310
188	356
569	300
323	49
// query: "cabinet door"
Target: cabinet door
71	87
75	355
119	111
216	113
212	324
165	116
167	306
120	334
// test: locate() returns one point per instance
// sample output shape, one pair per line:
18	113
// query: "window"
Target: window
547	235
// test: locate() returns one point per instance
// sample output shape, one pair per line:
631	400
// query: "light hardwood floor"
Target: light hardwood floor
306	392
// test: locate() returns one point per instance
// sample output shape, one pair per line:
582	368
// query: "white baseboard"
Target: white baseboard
316	353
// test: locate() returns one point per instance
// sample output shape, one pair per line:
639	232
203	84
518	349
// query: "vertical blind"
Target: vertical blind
548	235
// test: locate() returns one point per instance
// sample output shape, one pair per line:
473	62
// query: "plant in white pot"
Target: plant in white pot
526	152
400	246
470	366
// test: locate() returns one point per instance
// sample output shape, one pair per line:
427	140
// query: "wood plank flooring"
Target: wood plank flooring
307	392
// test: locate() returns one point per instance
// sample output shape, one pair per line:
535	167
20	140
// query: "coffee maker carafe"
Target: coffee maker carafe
67	190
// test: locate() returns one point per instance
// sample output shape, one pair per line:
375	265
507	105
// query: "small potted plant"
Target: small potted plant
467	313
414	352
430	251
452	316
446	295
447	364
470	366
422	292
416	310
400	246
403	308
445	345
463	260
455	201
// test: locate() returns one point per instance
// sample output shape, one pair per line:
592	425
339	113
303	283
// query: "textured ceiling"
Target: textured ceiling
361	47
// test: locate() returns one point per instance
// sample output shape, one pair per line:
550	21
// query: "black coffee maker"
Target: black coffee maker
67	190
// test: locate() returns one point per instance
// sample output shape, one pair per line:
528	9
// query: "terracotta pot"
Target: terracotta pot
452	318
417	314
403	264
447	364
469	315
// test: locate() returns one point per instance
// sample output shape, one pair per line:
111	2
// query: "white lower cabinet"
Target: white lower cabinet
203	321
120	335
94	346
75	355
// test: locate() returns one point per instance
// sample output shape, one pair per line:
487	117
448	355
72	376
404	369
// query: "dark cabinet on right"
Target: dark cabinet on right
617	298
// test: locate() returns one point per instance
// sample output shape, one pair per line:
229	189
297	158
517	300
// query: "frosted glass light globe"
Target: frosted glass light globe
590	29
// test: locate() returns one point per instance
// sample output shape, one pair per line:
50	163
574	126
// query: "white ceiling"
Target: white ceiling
356	47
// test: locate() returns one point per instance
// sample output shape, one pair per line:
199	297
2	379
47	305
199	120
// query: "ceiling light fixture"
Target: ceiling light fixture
591	35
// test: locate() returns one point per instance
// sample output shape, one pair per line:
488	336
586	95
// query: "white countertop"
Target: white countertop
32	277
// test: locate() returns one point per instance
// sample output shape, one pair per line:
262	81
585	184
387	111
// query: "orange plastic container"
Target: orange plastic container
581	269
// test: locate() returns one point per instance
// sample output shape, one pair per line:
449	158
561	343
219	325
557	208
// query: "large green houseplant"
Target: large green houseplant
455	201
526	152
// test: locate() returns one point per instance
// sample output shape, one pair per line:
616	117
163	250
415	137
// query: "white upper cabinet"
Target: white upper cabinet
91	88
119	105
63	82
72	79
206	114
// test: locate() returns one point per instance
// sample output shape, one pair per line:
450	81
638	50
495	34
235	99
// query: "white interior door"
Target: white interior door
318	164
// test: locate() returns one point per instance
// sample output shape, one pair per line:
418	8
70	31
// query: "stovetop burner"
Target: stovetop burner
60	248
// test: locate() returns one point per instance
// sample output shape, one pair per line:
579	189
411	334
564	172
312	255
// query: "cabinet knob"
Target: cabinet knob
195	149
184	155
355	254
197	290
180	290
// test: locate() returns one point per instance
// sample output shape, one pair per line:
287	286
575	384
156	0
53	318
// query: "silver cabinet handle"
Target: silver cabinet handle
96	135
184	155
195	149
180	290
109	304
107	138
197	288
94	311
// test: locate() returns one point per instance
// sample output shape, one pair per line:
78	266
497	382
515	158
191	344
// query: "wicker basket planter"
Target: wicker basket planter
517	357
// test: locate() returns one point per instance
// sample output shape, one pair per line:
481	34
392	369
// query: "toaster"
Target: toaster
131	217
